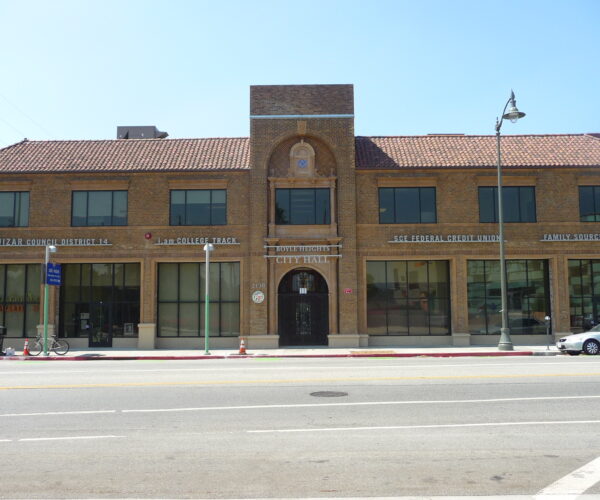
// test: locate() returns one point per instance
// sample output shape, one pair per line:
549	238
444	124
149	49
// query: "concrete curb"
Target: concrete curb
93	357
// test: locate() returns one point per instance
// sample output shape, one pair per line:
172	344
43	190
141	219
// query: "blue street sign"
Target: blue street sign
53	274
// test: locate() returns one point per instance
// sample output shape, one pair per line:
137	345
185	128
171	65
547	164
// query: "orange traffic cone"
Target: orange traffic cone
26	348
242	346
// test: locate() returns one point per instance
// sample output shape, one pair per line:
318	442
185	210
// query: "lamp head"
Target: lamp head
51	248
513	113
209	247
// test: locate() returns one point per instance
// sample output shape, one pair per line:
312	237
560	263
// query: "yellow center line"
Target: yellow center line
295	381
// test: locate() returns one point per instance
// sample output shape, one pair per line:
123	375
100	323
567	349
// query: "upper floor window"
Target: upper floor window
407	205
518	204
302	206
198	207
14	209
99	208
589	203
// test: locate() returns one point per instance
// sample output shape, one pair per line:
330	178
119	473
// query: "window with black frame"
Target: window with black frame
181	299
408	297
100	295
198	207
14	209
20	299
99	208
407	205
308	206
518	203
528	296
589	203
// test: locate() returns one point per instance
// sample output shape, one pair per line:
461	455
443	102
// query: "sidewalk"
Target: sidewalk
92	354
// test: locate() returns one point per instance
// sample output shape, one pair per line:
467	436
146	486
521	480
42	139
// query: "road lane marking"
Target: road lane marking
66	438
528	363
575	483
432	426
82	412
365	403
305	405
297	381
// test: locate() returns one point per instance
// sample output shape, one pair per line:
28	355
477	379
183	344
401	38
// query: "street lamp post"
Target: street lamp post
547	321
209	247
49	249
505	343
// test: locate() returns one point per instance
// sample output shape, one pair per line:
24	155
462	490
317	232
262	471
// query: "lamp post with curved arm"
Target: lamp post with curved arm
513	114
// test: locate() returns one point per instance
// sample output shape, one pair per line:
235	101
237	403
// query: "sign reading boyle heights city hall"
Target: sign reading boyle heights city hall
304	254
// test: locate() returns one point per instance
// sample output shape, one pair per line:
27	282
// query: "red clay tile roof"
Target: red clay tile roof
126	155
404	152
477	151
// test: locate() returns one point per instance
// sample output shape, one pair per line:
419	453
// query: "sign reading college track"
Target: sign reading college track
197	240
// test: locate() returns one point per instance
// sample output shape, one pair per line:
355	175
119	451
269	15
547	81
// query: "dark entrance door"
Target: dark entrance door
303	307
94	320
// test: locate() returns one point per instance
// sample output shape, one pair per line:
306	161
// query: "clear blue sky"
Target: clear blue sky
78	69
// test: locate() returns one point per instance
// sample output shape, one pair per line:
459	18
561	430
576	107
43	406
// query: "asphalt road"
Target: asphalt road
290	428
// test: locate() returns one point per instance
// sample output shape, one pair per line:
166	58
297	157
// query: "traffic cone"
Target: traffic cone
242	346
26	348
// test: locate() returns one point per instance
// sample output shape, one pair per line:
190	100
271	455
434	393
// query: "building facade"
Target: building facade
320	237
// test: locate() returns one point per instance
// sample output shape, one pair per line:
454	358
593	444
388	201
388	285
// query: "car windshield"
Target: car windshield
595	329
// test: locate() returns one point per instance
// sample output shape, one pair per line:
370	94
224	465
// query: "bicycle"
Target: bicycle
59	346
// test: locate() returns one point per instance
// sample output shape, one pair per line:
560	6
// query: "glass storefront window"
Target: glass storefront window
181	299
20	299
408	298
584	293
528	296
103	296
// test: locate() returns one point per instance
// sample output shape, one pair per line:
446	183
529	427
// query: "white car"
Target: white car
587	342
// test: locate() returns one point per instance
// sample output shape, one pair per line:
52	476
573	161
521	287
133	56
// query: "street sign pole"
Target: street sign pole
49	249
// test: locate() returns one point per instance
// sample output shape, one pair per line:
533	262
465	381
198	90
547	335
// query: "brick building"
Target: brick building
320	237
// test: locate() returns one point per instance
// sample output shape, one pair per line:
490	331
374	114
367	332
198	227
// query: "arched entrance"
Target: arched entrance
303	308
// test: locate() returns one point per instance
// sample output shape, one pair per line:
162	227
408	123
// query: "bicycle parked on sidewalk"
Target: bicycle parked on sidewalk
59	346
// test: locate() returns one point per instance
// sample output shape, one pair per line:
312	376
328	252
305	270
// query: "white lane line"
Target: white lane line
574	483
368	403
66	371
305	405
66	438
434	426
90	412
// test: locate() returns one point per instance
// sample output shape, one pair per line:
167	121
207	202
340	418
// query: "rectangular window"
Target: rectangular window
14	209
589	203
407	205
584	293
100	297
518	204
408	297
198	207
302	206
20	299
528	296
99	208
181	303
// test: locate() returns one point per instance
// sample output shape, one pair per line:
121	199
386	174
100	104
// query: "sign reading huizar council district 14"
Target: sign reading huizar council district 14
62	242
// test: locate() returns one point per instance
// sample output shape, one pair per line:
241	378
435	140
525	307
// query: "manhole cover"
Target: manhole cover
328	394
